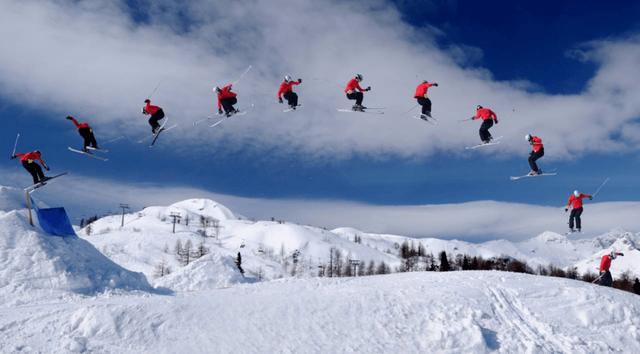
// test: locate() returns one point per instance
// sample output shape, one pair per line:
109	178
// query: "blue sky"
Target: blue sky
509	41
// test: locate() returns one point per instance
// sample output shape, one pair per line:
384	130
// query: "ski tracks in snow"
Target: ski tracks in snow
528	334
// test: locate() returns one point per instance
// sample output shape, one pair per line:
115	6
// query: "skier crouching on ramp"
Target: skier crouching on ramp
28	161
86	133
605	278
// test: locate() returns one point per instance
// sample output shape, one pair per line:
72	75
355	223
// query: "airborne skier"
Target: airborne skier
226	100
355	92
423	100
537	151
28	161
575	202
605	278
488	118
86	133
286	91
156	114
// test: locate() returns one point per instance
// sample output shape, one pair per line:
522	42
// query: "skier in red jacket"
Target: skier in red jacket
537	151
226	100
355	92
423	100
488	118
28	161
286	91
156	114
86	133
575	202
605	278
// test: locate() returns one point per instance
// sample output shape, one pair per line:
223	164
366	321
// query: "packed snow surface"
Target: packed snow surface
455	312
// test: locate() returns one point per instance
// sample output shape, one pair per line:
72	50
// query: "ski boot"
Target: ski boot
533	173
425	117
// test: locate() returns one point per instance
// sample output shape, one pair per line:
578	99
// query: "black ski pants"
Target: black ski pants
227	104
575	215
606	279
356	95
153	121
89	139
292	98
426	104
533	157
35	170
485	136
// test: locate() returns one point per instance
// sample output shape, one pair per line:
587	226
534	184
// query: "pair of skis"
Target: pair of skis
222	118
88	153
368	110
156	135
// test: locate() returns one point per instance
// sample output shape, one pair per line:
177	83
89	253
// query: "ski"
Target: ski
88	154
154	135
292	109
345	110
94	149
428	120
40	184
224	118
515	178
494	141
160	131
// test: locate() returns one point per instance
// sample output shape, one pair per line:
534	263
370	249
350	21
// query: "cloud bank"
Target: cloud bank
92	59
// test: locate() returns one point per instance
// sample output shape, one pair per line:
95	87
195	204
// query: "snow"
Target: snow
455	312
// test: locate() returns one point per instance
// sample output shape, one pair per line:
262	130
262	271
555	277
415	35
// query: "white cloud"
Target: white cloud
472	221
91	59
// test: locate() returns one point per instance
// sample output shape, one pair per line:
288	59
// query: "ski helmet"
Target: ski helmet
528	137
37	151
287	78
147	101
358	77
576	193
613	255
217	89
478	106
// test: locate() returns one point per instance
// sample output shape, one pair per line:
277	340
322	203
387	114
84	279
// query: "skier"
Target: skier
636	287
575	202
488	118
355	92
286	90
29	163
226	100
605	278
156	114
423	100
86	133
537	151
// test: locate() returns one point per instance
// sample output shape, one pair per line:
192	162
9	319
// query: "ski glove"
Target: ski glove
590	198
69	118
566	210
368	88
299	81
435	84
46	168
219	111
279	99
495	120
14	157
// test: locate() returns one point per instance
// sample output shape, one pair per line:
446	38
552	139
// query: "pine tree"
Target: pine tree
178	250
371	268
187	255
161	269
444	262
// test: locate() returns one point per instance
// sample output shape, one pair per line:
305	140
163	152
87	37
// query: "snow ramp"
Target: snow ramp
55	221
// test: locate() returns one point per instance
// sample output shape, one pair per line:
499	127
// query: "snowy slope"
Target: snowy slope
456	312
34	265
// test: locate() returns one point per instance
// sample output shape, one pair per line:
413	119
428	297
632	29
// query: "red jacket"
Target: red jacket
422	89
536	143
80	125
31	156
576	202
485	113
225	92
286	87
605	263
353	85
151	109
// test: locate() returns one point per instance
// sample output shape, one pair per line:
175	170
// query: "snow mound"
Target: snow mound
195	208
212	271
33	264
10	199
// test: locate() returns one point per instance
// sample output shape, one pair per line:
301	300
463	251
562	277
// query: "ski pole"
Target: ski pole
242	75
15	146
154	90
464	120
410	109
599	188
